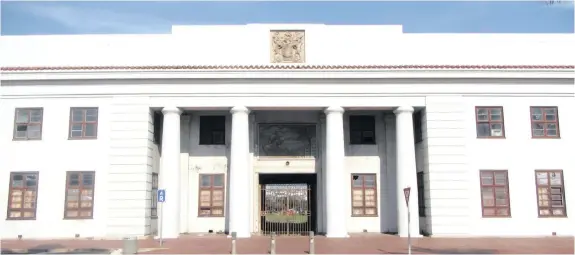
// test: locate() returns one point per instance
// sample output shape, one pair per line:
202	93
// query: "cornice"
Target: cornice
290	71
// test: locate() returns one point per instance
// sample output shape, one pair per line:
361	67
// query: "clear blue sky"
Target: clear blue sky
58	17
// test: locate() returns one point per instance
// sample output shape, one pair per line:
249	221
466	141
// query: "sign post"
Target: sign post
161	200
406	192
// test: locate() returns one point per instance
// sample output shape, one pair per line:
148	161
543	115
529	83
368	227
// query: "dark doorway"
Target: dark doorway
287	204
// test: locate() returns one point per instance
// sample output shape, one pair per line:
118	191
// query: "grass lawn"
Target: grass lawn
296	218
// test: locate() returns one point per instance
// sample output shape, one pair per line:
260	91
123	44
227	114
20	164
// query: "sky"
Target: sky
146	17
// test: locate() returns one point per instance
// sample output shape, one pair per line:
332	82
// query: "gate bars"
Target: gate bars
285	209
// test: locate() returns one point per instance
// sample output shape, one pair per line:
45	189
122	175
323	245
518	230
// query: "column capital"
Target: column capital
334	109
239	109
171	109
403	109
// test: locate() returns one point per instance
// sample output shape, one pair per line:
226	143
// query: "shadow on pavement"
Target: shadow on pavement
454	251
55	249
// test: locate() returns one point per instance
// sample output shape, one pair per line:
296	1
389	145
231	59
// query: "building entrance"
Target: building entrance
287	204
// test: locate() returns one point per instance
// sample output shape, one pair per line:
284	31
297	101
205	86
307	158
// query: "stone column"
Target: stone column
337	199
239	213
170	172
406	173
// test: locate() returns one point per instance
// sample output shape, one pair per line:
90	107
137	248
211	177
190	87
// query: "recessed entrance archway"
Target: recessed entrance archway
287	204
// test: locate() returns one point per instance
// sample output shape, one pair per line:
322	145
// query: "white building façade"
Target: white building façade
287	128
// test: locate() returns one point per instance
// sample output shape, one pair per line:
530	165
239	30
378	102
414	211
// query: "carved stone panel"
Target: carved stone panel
287	140
287	46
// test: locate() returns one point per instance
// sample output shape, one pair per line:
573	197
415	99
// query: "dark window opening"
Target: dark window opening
362	129
421	194
158	126
212	130
417	128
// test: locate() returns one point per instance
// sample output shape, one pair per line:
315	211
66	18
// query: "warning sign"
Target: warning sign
406	192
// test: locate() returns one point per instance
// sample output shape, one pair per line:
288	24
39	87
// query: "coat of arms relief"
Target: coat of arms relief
288	46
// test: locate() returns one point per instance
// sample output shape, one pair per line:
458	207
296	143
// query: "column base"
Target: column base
412	236
240	235
345	235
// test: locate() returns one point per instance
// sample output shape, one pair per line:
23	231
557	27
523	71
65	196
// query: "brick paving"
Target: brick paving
357	244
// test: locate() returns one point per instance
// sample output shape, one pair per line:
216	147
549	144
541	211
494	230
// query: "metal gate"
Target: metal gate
285	209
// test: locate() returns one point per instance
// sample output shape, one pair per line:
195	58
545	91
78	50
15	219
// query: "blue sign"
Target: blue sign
161	195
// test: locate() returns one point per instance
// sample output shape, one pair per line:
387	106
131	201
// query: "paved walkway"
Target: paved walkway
357	244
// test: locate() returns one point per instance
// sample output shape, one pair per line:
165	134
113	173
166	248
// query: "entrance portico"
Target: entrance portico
332	175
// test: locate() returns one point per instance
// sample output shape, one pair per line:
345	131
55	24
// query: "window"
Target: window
364	195
421	194
154	205
544	122
362	129
417	127
22	195
79	195
83	123
212	130
490	122
158	126
550	193
495	193
28	124
211	195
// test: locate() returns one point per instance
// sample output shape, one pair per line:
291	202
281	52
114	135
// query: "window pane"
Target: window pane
369	180
550	114
502	212
486	178
358	183
496	117
34	131
370	211
218	198
500	197
88	179
18	181
205	198
500	178
488	211
91	130
555	178
487	195
537	129
496	130
78	115
76	130
482	114
555	191
218	180
36	116
31	181
542	178
217	212
483	130
205	181
22	116
91	115
357	211
74	179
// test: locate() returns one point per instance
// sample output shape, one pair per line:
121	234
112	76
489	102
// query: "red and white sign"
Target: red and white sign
406	193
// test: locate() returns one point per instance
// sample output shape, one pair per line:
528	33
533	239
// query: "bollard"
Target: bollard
311	243
234	238
273	243
130	245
